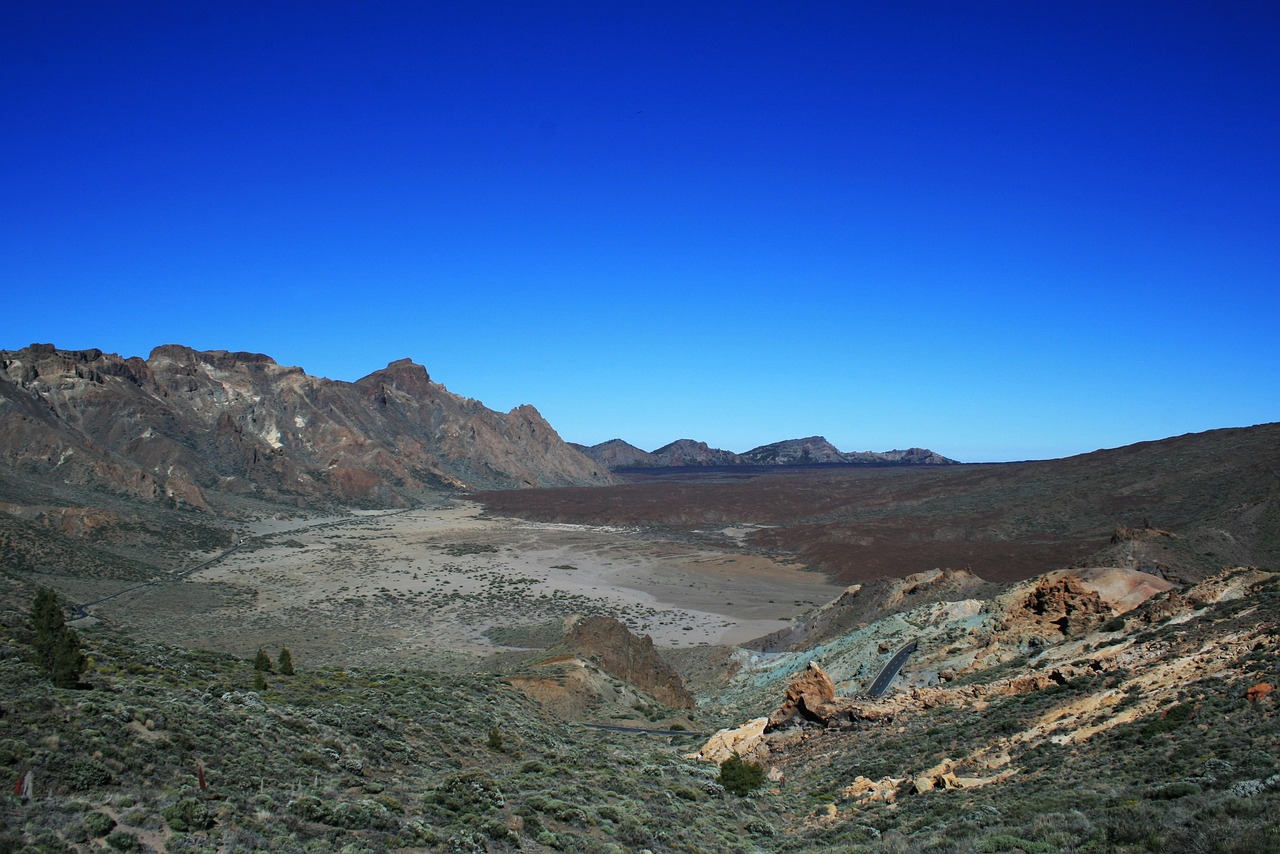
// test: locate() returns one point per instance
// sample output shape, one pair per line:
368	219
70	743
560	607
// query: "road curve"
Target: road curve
890	670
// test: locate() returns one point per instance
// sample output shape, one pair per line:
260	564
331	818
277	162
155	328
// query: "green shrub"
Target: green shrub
467	793
122	840
309	808
186	815
1175	790
98	824
739	775
1007	842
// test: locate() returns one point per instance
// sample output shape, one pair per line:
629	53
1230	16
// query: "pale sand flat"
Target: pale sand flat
426	585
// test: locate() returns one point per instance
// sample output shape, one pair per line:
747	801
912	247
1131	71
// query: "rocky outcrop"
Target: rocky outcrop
863	603
1259	692
184	424
628	657
808	697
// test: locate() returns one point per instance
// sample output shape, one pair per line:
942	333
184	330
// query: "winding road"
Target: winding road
890	670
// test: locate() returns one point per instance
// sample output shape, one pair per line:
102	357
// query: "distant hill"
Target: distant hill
687	452
617	454
182	425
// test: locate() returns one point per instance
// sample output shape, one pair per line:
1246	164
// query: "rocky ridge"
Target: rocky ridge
814	450
182	426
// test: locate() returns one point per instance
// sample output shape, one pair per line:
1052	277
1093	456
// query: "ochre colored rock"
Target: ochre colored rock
744	741
809	696
1259	691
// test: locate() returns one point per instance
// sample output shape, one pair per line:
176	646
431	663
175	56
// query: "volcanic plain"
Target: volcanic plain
445	585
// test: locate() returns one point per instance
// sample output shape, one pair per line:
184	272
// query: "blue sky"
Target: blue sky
997	230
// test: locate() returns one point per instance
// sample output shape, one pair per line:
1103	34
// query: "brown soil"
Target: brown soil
1219	491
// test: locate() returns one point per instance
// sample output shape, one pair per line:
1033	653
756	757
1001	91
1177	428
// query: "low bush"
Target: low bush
740	776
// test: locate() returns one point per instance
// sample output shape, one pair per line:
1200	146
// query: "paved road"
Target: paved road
613	728
79	611
890	670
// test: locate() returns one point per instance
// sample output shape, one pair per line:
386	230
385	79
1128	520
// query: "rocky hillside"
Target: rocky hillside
1091	710
687	452
1097	709
183	426
617	454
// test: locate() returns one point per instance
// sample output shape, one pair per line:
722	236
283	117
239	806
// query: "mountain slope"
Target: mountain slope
183	425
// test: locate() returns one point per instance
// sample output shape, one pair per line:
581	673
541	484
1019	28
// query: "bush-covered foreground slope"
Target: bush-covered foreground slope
1121	734
329	760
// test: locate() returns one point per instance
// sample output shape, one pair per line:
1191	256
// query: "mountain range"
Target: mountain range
184	426
191	428
619	454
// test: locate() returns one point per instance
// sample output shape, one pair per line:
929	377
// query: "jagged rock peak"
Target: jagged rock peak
186	423
403	375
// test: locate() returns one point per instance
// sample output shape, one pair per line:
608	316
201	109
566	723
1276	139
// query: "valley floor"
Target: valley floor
441	586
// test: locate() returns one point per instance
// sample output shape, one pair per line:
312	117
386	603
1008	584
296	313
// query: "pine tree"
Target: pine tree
740	775
262	661
285	662
57	647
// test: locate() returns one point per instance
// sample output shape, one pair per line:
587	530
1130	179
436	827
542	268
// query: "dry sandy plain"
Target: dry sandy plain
446	586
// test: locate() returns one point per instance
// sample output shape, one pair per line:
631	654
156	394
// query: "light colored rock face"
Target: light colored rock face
1123	589
183	423
745	741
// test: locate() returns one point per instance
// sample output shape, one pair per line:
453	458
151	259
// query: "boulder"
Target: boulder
744	740
809	697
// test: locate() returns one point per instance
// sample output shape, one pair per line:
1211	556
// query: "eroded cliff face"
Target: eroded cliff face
185	423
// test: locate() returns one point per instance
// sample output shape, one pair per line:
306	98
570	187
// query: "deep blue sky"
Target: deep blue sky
998	230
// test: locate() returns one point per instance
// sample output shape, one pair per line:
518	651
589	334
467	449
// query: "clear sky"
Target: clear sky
997	230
